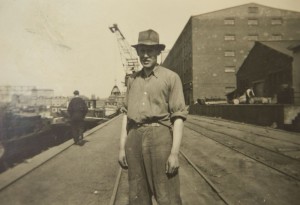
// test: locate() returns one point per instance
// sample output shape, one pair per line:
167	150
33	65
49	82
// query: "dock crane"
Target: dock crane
128	58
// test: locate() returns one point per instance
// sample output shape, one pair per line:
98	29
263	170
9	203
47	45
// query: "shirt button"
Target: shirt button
145	93
143	103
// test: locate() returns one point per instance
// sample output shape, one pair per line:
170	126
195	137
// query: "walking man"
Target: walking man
77	110
152	128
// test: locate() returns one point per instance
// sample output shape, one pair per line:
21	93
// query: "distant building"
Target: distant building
114	101
100	103
59	101
212	46
42	101
42	92
271	69
116	98
7	92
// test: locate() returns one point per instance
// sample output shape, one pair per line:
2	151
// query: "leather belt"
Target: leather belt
145	124
153	124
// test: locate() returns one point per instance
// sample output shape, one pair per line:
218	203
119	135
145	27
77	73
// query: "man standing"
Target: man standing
77	110
152	128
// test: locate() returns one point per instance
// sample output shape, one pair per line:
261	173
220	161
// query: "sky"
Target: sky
66	44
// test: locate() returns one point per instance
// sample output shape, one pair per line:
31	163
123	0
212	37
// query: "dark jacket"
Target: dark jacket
77	109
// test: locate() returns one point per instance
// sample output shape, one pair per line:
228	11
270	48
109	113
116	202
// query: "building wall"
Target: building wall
163	56
221	40
7	92
59	101
296	76
180	61
264	115
265	69
42	92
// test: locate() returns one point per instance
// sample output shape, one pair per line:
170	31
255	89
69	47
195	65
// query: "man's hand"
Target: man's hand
172	164
122	159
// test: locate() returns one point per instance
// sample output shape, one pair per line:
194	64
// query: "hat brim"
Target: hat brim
160	46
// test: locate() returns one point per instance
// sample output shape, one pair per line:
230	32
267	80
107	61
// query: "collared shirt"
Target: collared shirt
158	96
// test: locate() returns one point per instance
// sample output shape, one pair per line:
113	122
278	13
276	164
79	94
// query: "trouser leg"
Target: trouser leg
147	151
75	131
139	192
81	130
166	188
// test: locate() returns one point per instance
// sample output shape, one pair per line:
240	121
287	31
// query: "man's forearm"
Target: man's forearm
123	133
177	135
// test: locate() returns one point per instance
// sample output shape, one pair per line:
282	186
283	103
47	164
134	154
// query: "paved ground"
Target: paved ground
80	175
241	163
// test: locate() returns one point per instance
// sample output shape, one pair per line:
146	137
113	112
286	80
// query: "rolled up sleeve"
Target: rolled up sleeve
176	100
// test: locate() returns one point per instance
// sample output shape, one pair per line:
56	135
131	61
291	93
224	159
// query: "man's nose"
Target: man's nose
145	54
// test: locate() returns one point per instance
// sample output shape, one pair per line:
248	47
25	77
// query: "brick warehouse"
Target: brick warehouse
212	46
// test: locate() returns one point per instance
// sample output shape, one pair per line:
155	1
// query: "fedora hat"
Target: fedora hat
149	38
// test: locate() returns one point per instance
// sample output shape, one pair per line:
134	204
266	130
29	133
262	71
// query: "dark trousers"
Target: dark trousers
147	151
77	129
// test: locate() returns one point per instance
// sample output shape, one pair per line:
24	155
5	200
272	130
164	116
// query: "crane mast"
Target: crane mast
128	58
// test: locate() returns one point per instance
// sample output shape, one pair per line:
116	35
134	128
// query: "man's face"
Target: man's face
148	55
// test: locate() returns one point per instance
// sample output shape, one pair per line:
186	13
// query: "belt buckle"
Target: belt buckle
153	124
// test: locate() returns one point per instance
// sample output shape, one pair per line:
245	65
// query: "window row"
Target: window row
253	21
252	37
186	71
229	69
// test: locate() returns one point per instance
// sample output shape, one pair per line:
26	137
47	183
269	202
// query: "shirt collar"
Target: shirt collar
154	72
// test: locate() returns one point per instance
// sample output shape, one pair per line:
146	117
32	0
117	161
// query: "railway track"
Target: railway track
206	179
252	165
252	150
268	132
266	137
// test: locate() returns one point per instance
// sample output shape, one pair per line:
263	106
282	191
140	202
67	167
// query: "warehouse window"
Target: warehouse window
229	21
229	37
276	37
253	37
229	53
229	69
252	22
276	21
253	9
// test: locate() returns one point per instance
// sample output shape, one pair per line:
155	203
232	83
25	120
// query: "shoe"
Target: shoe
80	142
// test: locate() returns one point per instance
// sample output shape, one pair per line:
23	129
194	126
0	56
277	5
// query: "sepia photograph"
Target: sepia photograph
149	102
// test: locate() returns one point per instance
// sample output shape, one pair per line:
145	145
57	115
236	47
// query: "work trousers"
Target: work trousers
77	127
147	151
